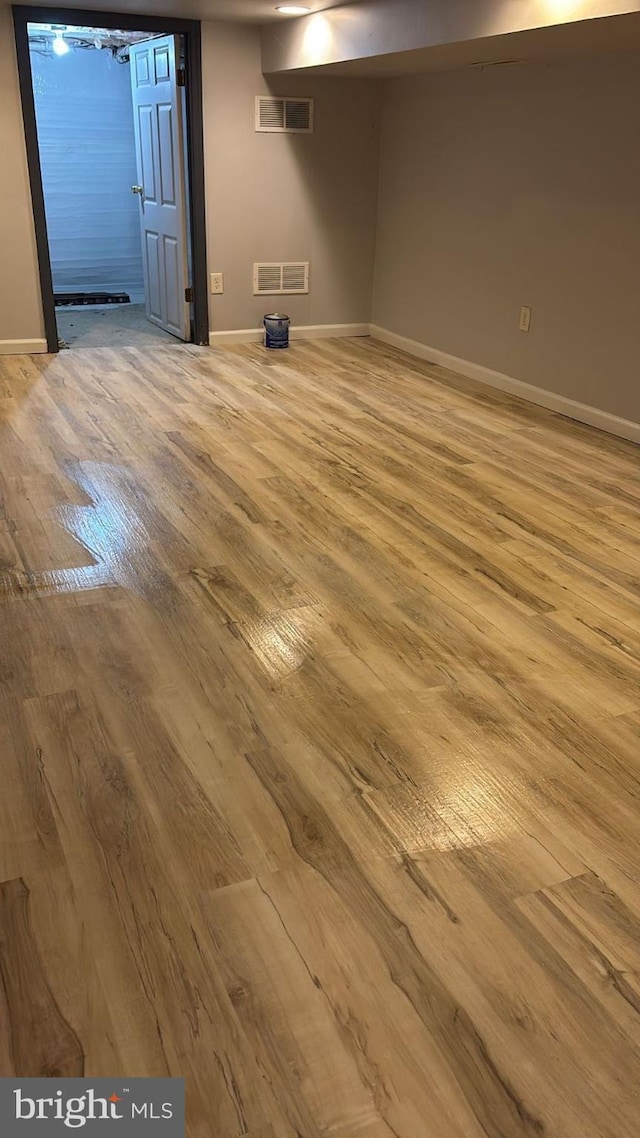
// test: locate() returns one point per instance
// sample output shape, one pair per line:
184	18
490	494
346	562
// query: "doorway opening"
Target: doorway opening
113	126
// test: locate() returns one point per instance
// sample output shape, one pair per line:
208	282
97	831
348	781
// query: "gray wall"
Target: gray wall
518	186
20	308
287	197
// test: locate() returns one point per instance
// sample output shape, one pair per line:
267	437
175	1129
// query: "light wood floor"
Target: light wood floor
320	744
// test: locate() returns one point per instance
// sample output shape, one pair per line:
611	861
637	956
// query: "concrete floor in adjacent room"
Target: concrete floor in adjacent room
320	723
109	326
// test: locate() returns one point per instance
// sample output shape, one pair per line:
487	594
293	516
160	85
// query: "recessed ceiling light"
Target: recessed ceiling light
292	10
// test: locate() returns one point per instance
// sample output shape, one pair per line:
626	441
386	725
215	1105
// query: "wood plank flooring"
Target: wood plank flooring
319	744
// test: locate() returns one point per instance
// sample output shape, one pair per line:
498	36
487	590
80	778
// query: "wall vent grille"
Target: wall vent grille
284	116
280	278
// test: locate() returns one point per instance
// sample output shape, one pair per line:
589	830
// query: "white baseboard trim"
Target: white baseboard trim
582	412
22	347
303	332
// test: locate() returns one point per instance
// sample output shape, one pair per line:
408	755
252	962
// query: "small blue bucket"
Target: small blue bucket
276	330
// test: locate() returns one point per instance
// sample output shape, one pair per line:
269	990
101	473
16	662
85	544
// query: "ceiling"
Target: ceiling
251	11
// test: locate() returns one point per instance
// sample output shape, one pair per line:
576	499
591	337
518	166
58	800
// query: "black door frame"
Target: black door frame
190	30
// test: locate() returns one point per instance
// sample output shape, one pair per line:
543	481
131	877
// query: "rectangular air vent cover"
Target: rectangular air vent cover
284	116
281	278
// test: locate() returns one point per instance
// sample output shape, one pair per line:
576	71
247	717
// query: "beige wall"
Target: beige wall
518	186
287	197
20	309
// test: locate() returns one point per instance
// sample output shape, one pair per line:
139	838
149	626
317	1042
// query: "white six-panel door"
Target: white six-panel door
157	115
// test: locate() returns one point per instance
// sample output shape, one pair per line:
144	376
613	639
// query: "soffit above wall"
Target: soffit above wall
387	37
566	41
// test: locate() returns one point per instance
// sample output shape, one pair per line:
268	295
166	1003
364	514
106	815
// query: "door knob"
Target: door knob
137	189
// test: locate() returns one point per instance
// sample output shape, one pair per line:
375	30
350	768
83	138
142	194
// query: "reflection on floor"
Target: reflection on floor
109	326
319	760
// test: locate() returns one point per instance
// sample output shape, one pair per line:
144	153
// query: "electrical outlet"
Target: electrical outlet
525	318
217	283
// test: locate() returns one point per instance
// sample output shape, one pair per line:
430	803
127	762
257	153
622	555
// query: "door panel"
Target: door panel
172	271
154	292
167	167
162	65
160	158
144	141
140	65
